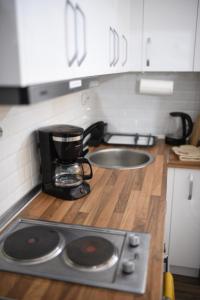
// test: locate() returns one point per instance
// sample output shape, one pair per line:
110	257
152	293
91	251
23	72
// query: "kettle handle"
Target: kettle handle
189	126
84	160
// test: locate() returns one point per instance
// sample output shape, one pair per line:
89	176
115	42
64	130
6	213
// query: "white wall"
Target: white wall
118	102
19	161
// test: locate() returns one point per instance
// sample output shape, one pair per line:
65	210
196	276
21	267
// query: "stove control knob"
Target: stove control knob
134	240
128	266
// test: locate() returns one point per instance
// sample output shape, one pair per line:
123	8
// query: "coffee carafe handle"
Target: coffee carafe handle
84	160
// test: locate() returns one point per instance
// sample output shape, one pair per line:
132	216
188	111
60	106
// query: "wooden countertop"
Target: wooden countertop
128	199
174	162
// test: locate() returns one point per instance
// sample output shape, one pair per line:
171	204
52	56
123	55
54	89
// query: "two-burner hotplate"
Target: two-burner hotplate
94	256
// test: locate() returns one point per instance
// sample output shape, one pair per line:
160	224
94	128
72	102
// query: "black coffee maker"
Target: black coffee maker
61	149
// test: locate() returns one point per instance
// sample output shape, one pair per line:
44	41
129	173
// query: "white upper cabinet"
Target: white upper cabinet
136	34
119	35
53	40
65	41
91	38
123	20
48	40
197	48
33	37
169	35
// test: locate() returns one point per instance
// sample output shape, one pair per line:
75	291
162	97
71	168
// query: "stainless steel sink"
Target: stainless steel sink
120	158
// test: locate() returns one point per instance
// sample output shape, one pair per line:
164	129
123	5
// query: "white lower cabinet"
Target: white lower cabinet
183	221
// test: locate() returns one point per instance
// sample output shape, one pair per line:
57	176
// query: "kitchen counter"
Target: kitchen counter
126	199
174	162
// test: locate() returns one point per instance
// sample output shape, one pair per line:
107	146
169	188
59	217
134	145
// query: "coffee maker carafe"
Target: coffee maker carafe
63	168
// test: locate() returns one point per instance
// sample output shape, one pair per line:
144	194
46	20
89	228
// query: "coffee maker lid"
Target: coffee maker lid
63	130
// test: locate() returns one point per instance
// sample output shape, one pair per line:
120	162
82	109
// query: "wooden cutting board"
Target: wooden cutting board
195	137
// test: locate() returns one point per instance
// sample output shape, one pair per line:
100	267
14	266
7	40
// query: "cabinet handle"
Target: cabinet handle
190	187
116	48
69	5
112	47
148	43
79	11
126	49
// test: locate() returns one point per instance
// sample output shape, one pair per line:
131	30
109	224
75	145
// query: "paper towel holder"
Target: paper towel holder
156	87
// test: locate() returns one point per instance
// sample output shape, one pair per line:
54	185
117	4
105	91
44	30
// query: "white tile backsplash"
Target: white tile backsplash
19	156
118	102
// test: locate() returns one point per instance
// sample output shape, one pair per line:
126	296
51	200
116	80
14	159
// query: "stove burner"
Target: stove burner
33	245
91	253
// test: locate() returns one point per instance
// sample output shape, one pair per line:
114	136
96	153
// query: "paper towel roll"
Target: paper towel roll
156	87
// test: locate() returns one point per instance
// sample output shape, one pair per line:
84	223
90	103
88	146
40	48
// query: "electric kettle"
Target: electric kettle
180	128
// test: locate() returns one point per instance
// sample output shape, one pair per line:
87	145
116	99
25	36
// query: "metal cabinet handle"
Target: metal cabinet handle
69	5
148	43
112	46
116	48
81	13
126	49
190	187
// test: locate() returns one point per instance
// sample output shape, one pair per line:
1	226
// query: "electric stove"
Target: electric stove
101	257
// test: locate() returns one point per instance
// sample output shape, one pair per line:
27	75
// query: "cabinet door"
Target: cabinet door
119	35
197	48
69	39
136	25
41	40
184	248
123	20
169	35
99	42
105	24
97	15
114	7
91	49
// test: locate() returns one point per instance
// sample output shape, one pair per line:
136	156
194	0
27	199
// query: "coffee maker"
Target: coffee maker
62	164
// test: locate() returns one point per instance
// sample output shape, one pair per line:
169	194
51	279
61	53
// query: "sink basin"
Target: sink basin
118	158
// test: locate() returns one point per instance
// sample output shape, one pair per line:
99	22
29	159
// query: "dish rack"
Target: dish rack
130	139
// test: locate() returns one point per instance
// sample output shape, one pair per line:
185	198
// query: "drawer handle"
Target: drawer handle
126	49
190	187
81	14
70	9
116	36
148	44
112	46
